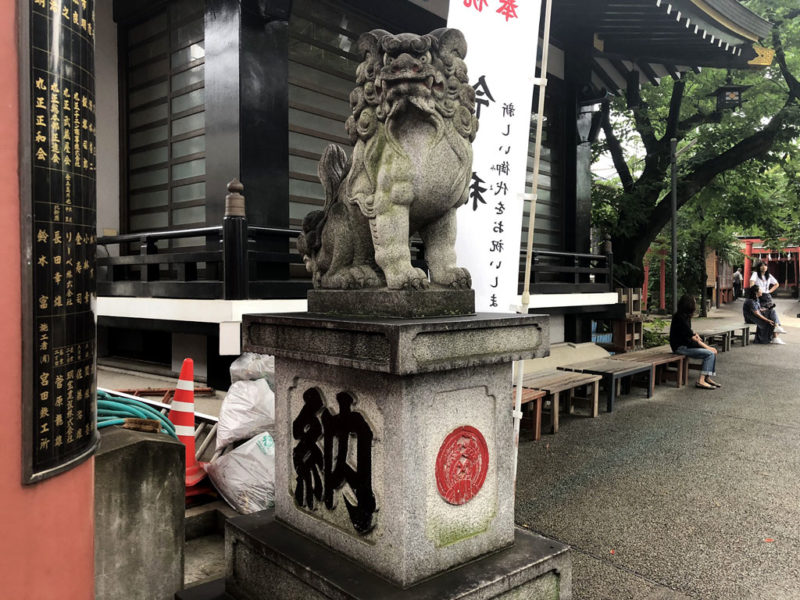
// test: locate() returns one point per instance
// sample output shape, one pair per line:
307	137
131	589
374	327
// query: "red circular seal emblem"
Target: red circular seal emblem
461	465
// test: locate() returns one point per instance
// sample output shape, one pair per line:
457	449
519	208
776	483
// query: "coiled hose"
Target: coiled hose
113	410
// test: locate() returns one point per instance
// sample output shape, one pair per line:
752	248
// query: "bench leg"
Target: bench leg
555	412
537	419
611	385
595	398
651	381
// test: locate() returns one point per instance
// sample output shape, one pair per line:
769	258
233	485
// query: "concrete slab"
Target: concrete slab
205	559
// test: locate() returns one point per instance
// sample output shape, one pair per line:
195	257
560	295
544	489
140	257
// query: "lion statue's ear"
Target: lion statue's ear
370	42
450	41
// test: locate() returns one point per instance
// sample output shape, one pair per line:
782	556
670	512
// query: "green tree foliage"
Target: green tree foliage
739	170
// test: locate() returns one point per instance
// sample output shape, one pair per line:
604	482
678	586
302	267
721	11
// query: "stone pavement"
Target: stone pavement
690	494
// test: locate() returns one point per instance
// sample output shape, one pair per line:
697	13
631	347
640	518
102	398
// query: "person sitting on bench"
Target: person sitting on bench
763	318
768	284
685	341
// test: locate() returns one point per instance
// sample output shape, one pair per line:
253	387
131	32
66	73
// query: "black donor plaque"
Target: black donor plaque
322	473
60	415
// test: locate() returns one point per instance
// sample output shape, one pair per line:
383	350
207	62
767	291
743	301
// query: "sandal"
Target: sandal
714	383
703	386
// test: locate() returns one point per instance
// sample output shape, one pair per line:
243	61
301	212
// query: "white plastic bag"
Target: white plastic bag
248	409
250	366
245	476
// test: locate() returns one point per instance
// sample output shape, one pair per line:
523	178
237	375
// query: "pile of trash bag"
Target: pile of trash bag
243	470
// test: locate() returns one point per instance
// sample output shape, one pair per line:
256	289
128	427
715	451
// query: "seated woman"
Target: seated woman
768	284
685	341
764	319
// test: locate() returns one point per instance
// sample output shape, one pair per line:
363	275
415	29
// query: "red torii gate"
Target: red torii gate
755	251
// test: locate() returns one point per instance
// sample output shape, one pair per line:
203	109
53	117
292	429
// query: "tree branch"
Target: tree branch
674	110
698	119
753	146
641	120
750	147
617	155
780	56
792	14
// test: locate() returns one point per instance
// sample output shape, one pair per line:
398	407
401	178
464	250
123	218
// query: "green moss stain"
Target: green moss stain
450	533
445	532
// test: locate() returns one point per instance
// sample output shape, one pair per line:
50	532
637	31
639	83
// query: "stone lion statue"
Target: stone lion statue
412	126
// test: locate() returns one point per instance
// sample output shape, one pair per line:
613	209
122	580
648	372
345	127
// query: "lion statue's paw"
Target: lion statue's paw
455	277
366	277
340	280
410	278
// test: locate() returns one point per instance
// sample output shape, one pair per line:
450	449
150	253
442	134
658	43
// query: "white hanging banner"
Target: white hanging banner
502	36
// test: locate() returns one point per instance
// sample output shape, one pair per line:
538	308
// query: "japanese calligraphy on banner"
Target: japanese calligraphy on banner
501	39
59	407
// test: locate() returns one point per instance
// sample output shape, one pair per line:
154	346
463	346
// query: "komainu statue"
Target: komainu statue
412	127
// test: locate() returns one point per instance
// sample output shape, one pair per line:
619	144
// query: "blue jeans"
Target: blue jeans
709	358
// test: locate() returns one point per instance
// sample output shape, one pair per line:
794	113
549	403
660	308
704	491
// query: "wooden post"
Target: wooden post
150	272
234	244
662	293
748	250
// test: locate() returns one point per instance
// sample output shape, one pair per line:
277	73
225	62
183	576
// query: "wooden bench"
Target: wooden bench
535	396
717	335
613	371
742	333
725	335
660	362
554	382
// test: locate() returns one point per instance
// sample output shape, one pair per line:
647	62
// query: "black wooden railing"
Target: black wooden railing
233	261
236	261
569	273
224	267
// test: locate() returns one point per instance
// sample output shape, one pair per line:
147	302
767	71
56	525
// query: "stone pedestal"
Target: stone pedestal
266	559
394	439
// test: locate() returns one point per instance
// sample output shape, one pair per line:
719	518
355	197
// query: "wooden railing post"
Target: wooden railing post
234	244
576	264
148	247
610	267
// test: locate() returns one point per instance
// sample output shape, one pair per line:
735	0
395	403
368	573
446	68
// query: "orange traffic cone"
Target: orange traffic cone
182	416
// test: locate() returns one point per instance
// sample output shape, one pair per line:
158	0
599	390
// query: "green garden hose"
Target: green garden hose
113	410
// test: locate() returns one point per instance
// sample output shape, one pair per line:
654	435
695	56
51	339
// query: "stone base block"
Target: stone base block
267	560
138	515
404	304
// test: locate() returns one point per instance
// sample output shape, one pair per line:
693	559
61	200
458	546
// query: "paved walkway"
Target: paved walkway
690	494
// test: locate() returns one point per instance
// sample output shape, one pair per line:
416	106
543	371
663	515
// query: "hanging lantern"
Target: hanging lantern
729	96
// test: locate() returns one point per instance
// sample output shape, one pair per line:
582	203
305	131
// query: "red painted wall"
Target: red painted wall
47	529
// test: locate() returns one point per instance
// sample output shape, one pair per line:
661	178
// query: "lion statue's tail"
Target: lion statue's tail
332	169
